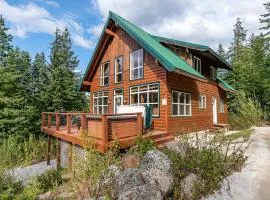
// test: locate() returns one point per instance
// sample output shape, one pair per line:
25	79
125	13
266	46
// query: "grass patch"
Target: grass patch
245	134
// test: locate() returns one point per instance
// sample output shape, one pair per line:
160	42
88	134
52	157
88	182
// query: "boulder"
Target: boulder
144	192
46	196
157	167
128	180
177	147
187	185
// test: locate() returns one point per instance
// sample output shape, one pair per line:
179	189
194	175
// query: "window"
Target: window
104	74
181	104
197	64
202	101
146	95
118	67
213	73
221	105
100	102
136	64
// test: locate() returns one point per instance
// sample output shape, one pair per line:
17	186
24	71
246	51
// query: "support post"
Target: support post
68	123
58	154
105	131
83	122
57	121
49	120
48	156
139	120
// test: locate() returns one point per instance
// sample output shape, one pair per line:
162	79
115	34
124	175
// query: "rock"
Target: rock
65	195
144	192
47	196
128	180
157	167
130	161
187	185
177	147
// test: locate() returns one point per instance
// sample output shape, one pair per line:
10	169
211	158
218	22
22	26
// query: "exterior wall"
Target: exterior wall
121	45
200	119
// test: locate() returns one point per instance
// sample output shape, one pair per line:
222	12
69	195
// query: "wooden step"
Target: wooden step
163	140
157	135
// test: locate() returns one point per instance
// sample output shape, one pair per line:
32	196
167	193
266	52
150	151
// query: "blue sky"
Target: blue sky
33	22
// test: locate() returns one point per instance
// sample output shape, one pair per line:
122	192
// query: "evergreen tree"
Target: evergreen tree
221	51
63	91
265	19
5	39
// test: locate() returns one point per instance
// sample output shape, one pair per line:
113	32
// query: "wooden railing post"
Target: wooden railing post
48	156
83	122
57	121
68	123
139	120
105	131
49	120
43	120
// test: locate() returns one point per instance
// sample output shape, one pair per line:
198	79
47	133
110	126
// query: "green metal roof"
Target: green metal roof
225	85
164	55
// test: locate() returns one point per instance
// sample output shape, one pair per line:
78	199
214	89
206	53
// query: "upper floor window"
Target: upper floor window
100	102
118	69
202	101
136	64
104	74
221	105
213	73
146	95
181	104
197	64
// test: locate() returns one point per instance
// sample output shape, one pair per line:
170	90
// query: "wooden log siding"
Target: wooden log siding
201	118
122	45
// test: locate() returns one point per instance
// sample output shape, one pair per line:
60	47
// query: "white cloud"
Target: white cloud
208	22
31	18
52	3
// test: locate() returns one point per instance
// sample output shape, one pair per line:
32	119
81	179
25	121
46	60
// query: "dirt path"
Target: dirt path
253	182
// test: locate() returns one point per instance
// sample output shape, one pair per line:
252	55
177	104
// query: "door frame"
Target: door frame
214	110
117	96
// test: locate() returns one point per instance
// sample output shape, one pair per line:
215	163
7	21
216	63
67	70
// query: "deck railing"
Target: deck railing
105	127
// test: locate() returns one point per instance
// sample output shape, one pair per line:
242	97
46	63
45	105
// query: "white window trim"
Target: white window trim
198	65
146	91
102	77
203	105
221	104
178	103
116	73
102	105
140	76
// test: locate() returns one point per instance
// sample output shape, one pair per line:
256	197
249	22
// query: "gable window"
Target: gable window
181	104
104	74
118	66
136	64
100	102
221	105
213	73
197	64
146	95
202	101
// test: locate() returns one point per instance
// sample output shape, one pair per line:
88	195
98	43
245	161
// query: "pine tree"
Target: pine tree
5	39
63	91
221	51
265	19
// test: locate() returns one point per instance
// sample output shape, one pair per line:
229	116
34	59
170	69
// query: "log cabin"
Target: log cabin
132	68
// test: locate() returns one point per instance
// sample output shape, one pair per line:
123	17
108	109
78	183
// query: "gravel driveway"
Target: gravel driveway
253	182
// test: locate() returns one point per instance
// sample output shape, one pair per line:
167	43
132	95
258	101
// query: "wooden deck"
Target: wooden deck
99	131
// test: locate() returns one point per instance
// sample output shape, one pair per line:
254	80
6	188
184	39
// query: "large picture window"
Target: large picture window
100	102
136	64
181	104
197	64
118	69
146	95
104	74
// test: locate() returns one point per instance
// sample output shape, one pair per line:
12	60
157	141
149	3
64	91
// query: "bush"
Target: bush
246	112
210	160
49	180
142	145
9	187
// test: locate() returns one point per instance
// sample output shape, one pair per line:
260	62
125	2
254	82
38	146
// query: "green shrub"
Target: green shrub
9	187
245	112
142	145
49	180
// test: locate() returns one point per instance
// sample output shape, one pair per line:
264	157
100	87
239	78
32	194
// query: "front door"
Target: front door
117	99
214	103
